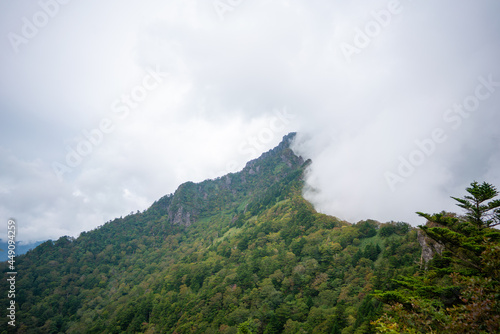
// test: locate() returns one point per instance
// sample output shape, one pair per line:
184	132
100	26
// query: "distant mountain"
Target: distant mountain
20	249
244	253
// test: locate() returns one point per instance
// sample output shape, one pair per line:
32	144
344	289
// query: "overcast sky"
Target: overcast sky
105	106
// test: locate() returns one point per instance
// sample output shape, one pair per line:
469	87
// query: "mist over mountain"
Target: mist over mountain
246	253
240	251
183	87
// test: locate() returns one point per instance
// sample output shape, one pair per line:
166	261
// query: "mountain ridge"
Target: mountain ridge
243	252
256	168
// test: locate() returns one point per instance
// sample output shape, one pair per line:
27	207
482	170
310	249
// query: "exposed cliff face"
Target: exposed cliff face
429	248
192	201
181	217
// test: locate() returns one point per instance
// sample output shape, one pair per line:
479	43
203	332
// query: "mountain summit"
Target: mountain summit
194	200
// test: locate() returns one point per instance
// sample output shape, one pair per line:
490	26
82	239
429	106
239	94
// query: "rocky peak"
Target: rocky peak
191	201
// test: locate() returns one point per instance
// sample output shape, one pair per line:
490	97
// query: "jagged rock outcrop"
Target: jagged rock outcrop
429	248
181	217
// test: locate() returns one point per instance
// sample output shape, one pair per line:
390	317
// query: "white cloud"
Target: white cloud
215	109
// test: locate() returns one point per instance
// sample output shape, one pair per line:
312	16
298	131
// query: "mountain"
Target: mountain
243	253
20	249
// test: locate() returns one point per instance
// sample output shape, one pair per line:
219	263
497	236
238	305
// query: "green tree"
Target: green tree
459	294
479	213
243	328
339	318
464	238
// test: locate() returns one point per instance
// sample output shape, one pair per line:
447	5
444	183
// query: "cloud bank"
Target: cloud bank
107	107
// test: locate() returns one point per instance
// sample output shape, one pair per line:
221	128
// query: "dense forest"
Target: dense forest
245	253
